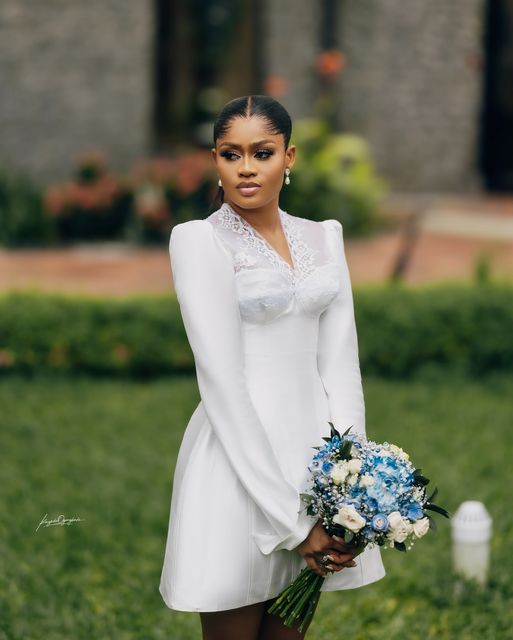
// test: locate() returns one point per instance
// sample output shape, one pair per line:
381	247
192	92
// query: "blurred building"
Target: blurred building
428	84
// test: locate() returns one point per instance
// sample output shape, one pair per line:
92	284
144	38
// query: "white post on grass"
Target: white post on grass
471	532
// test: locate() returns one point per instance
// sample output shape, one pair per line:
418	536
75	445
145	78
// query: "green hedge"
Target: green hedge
468	328
401	331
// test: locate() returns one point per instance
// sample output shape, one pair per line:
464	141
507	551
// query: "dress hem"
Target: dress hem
172	603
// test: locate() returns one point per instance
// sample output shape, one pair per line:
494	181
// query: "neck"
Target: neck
265	218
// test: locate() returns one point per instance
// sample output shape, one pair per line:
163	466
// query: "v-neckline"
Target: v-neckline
283	224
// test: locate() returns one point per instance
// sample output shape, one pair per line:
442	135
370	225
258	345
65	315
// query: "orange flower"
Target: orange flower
276	85
330	62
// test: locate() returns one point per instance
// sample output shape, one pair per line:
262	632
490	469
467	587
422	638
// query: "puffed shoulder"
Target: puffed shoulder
332	224
186	230
198	240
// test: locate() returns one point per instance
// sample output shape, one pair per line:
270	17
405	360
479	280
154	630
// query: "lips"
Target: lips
250	189
247	184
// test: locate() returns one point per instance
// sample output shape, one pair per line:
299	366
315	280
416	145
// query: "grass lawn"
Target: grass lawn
104	451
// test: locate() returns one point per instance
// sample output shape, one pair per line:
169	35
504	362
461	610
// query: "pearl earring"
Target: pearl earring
287	179
219	182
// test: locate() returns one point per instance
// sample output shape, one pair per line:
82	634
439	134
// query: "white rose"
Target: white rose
366	481
398	528
354	465
421	527
339	472
349	518
399	452
352	479
418	494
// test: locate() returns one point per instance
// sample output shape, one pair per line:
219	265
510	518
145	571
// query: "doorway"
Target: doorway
496	144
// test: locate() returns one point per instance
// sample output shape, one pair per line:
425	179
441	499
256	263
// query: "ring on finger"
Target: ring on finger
325	560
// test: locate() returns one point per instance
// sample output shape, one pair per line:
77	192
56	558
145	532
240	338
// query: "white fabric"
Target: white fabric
276	357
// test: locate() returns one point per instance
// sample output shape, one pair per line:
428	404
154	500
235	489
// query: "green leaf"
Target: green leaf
307	497
400	546
435	507
334	431
420	480
345	450
348	535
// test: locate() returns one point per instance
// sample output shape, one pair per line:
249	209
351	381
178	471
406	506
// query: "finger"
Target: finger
313	563
343	561
335	567
314	566
346	563
339	544
341	558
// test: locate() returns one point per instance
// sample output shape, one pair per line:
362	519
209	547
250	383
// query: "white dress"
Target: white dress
276	358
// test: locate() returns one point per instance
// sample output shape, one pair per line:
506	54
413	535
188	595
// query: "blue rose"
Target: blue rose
327	466
380	522
415	511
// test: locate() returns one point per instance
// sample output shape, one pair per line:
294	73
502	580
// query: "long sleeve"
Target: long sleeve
337	357
204	282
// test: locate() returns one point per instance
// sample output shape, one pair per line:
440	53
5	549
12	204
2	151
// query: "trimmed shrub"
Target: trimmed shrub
401	331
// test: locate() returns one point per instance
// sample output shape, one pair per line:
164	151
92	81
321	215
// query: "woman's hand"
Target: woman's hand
319	543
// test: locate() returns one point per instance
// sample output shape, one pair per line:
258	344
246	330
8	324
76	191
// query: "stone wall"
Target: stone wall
413	87
290	35
78	75
73	76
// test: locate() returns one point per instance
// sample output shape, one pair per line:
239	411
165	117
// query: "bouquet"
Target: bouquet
366	493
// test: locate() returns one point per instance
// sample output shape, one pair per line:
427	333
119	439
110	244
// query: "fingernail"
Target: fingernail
331	558
338	538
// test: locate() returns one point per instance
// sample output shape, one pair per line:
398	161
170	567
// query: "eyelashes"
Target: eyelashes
267	153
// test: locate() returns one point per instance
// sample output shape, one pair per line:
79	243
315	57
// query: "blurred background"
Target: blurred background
403	121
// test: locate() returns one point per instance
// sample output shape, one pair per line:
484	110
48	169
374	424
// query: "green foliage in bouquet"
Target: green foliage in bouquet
333	177
365	493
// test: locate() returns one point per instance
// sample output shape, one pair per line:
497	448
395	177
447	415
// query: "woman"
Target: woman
266	301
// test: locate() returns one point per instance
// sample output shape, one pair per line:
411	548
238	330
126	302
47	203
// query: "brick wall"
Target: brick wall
73	75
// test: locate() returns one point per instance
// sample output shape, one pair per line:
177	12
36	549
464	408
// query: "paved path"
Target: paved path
452	235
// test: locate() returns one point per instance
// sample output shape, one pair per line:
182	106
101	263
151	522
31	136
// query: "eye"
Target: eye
266	154
227	154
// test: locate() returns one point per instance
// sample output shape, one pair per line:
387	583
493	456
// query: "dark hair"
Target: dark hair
270	110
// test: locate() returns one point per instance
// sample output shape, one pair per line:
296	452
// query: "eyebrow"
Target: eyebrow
238	146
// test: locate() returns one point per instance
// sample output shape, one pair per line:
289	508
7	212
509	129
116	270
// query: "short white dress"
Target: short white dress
276	357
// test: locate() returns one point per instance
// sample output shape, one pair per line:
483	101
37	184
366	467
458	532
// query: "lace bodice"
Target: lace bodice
267	286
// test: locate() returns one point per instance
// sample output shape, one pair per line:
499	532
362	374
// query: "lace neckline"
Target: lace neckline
259	237
301	253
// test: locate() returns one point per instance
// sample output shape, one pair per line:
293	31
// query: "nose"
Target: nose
246	167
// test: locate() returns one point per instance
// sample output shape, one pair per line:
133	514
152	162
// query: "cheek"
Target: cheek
274	171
